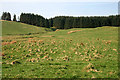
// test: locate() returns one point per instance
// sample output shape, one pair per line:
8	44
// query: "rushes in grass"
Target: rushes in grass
77	44
80	53
13	48
54	52
31	54
19	43
40	41
104	49
115	50
74	49
96	51
37	44
66	58
3	54
45	53
11	56
38	55
82	44
55	47
51	51
108	42
30	50
38	50
76	52
15	62
50	58
45	49
28	55
33	60
64	51
45	57
53	42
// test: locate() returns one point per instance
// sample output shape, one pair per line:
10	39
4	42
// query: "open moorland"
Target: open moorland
36	52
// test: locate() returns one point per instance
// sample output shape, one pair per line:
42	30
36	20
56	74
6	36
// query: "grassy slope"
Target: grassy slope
10	28
83	54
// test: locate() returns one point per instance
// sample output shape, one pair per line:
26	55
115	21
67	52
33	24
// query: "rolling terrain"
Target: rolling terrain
35	52
17	28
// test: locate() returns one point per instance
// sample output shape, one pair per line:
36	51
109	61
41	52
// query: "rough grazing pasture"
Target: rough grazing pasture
83	53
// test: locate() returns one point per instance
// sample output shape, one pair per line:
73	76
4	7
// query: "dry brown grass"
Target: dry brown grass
73	31
57	30
6	43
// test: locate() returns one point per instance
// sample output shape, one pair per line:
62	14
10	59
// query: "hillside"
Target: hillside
17	28
71	53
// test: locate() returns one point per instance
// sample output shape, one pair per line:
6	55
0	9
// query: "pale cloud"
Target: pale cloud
59	0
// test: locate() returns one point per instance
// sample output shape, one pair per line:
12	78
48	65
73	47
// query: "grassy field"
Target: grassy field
16	28
71	53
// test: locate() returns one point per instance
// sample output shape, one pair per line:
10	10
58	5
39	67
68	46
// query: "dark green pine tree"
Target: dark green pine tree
51	22
4	16
14	18
47	23
8	16
68	23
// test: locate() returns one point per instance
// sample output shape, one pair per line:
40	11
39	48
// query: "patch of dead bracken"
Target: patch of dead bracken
57	30
7	43
40	41
48	36
73	31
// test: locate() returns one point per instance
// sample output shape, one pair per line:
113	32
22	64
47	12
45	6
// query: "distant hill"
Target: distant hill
17	28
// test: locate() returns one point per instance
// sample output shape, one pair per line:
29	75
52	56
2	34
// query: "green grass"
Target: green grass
88	53
17	28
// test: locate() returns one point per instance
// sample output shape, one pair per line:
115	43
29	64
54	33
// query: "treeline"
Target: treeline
32	19
7	16
66	22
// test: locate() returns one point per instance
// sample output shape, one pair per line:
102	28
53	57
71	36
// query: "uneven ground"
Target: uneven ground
72	53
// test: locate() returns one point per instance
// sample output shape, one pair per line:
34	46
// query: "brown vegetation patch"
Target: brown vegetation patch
73	31
2	54
40	41
6	43
48	36
57	30
108	42
2	20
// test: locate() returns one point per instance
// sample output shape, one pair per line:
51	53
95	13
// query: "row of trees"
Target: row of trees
7	16
65	22
32	19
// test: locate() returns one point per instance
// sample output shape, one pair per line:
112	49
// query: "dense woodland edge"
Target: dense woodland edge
64	22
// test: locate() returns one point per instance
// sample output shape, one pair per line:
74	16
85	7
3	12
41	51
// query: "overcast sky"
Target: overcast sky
51	8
